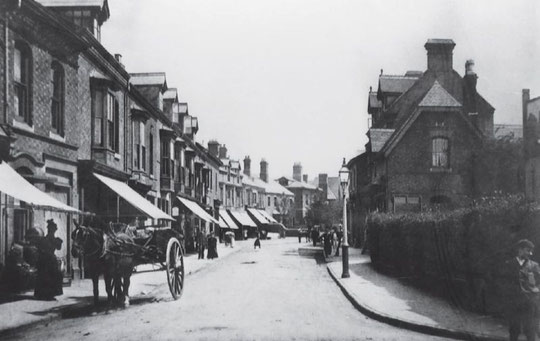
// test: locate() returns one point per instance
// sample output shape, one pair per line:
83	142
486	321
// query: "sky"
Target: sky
288	80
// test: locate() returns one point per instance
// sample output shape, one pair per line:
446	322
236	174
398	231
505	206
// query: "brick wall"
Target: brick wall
409	164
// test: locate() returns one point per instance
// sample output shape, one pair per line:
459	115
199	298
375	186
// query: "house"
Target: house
305	194
425	130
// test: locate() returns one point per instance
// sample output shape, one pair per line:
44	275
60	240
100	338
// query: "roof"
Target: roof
514	131
378	137
373	102
332	192
250	181
301	184
396	84
149	78
171	93
273	187
437	96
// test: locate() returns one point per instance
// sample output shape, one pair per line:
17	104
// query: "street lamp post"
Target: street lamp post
344	181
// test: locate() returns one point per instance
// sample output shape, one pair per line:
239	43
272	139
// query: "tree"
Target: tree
325	212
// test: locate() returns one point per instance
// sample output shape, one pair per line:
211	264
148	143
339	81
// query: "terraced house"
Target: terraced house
90	140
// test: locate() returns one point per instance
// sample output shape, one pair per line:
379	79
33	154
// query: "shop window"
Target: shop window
21	224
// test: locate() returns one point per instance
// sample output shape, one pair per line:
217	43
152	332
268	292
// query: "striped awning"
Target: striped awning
14	185
227	218
243	218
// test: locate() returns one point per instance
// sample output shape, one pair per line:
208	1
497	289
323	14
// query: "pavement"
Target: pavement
23	310
393	301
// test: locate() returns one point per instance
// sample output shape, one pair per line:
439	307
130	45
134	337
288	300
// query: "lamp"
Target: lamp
344	181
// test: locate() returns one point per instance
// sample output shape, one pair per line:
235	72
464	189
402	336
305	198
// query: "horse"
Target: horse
88	243
108	252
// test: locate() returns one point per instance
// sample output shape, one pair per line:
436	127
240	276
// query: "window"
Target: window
440	152
106	119
23	81
139	158
269	201
112	110
57	100
275	201
151	154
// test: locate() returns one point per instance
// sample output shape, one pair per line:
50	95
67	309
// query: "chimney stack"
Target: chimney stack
264	170
528	130
297	171
247	166
118	58
213	148
323	184
440	54
469	88
222	152
305	178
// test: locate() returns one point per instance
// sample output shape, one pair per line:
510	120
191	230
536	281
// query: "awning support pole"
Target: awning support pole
117	208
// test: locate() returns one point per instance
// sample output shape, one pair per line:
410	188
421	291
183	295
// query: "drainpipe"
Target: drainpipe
6	69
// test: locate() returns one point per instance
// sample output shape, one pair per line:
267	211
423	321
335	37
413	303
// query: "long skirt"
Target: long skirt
49	278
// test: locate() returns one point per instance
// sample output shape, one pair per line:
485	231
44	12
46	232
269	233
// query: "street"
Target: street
267	294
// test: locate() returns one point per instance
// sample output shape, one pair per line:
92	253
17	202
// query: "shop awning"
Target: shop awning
134	198
222	223
223	214
243	218
258	216
268	216
14	185
198	210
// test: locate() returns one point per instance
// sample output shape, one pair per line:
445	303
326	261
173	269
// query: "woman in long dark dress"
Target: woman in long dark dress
212	247
49	276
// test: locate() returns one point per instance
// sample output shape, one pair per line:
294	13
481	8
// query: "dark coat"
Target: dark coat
520	284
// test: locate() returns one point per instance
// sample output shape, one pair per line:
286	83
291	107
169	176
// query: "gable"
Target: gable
437	96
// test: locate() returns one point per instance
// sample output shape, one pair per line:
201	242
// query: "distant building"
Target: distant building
305	194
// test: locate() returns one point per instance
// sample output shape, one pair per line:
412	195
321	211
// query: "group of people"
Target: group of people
330	237
207	242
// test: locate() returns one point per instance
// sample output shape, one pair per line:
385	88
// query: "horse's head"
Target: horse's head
86	240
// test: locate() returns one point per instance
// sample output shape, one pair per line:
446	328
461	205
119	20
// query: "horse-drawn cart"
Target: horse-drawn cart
116	249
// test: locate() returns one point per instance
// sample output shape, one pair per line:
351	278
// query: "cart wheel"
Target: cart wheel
175	268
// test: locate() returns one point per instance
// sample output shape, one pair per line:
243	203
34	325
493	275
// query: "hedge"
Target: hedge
460	250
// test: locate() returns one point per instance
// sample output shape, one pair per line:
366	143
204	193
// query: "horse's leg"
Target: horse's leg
108	286
127	281
95	283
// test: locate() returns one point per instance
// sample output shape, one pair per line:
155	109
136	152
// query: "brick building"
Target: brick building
82	129
425	129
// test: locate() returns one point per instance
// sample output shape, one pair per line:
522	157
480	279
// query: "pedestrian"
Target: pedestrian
521	275
49	276
201	242
315	235
299	236
308	235
257	242
327	240
212	246
339	235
